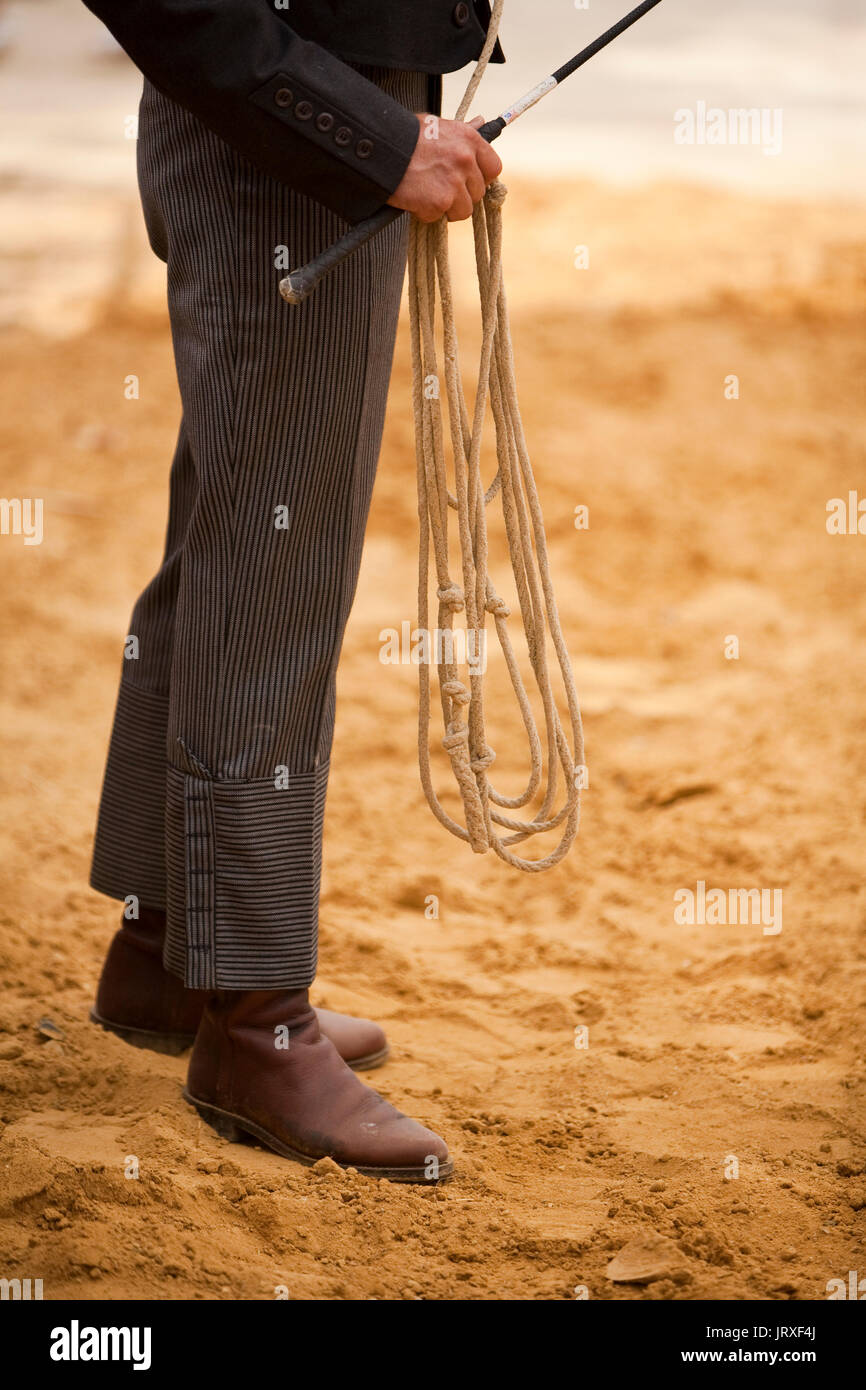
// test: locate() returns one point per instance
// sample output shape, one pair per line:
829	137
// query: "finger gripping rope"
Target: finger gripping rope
462	707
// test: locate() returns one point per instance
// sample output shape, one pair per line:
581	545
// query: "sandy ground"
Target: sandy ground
712	1049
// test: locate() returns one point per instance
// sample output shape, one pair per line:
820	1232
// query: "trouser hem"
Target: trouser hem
244	862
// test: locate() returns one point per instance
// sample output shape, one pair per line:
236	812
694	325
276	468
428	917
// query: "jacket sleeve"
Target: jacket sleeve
287	105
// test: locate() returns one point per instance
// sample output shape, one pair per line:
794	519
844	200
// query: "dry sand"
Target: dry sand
707	518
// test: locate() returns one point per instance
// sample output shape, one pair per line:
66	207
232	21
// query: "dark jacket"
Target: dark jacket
273	82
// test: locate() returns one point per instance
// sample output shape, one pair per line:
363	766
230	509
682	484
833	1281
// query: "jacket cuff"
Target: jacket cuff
377	147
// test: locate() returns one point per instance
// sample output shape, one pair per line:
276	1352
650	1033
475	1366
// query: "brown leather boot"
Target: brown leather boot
143	1003
137	998
262	1067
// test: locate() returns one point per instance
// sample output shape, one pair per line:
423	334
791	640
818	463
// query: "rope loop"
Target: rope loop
556	750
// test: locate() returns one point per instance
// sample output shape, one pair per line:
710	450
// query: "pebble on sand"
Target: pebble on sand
646	1259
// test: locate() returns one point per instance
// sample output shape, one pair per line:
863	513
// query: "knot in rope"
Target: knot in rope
496	193
498	607
451	596
456	692
481	763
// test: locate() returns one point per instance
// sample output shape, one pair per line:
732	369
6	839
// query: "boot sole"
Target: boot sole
173	1044
236	1127
169	1044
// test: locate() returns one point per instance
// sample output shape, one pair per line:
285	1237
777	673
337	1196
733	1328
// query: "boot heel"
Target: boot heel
225	1127
169	1044
218	1120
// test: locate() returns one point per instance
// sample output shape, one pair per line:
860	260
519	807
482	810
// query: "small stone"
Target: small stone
646	1259
327	1168
46	1028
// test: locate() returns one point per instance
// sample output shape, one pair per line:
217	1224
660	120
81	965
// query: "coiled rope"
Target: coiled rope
465	737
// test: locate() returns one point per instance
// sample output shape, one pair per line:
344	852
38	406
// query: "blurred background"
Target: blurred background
688	331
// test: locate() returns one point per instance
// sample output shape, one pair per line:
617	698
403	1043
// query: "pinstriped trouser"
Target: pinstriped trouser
214	790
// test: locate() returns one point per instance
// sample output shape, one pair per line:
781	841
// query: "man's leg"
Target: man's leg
136	997
283	412
284	409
